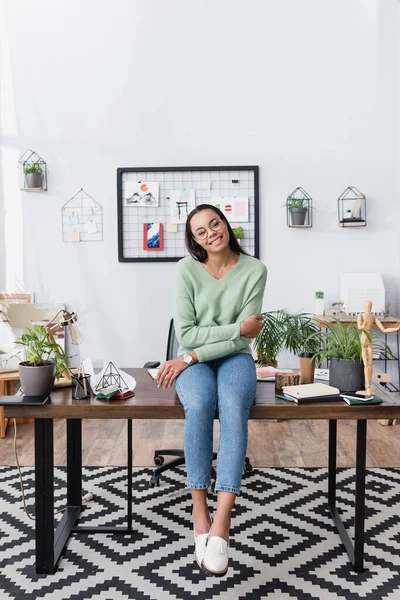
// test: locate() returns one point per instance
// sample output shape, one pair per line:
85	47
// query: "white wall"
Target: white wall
306	90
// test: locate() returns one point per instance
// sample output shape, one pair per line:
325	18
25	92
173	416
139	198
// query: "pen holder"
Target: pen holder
81	387
282	379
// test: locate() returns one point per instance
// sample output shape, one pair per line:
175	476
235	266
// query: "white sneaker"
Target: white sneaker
215	561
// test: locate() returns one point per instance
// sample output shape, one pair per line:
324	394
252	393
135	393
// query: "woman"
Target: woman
218	297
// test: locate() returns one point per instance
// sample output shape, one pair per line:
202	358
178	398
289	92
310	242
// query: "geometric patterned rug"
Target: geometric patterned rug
283	543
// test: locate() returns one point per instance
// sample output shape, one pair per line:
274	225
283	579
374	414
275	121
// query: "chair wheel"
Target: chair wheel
247	467
158	460
154	481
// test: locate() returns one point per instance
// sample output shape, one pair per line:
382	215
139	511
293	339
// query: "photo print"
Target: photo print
152	236
236	210
141	193
182	202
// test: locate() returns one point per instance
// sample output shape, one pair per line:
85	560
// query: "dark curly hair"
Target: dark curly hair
194	248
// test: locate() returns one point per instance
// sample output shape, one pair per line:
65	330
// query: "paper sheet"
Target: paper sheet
95	377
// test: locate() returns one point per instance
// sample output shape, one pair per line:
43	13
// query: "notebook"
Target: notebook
353	401
23	400
311	390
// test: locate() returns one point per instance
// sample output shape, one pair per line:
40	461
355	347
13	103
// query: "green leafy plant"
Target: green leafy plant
319	295
238	232
40	350
32	168
340	341
297	203
282	330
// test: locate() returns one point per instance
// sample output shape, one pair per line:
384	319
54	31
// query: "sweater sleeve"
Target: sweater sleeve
187	332
252	306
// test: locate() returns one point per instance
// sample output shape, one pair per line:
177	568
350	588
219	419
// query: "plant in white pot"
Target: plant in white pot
45	362
319	303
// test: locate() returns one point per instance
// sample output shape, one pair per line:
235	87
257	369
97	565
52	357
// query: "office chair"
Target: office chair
172	351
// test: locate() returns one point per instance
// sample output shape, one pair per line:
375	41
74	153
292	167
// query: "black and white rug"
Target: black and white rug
283	545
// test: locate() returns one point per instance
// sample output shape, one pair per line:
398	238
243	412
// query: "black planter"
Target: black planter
347	375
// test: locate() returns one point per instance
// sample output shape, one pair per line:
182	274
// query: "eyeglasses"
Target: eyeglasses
215	225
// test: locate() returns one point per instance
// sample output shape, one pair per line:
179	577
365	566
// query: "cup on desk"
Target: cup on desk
81	387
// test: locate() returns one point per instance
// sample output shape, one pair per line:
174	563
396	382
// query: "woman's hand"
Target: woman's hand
251	326
169	371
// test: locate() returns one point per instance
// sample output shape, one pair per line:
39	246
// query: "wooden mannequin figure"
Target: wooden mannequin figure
365	322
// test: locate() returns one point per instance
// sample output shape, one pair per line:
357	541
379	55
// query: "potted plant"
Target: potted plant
319	303
33	175
298	208
296	332
44	362
270	341
341	345
303	337
238	232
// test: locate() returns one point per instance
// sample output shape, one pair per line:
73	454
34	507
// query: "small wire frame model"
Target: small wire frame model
299	209
352	208
32	172
82	219
111	376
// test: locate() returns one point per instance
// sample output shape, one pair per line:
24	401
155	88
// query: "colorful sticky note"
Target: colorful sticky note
171	227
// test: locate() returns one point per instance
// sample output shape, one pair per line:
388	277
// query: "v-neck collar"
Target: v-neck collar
226	274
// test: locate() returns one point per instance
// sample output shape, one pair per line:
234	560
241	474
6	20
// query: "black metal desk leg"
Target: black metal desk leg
129	478
74	462
332	463
44	496
359	527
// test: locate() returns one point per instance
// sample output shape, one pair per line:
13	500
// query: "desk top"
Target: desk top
153	403
389	321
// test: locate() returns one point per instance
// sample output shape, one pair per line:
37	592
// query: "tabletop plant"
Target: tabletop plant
40	351
282	330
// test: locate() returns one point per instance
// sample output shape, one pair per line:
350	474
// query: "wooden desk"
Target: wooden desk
152	403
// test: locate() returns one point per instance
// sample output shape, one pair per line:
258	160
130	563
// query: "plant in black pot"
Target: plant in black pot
33	175
341	346
45	362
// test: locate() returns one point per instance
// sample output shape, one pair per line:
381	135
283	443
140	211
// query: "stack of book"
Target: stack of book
311	392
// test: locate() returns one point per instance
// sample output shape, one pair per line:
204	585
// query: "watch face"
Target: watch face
188	359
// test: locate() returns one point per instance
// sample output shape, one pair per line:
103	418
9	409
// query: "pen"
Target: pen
284	397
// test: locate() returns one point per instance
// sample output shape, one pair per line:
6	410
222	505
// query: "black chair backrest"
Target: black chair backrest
172	344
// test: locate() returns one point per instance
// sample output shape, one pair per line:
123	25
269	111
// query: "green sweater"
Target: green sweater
208	311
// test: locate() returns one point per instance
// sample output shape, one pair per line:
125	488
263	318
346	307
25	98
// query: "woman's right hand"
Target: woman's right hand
251	326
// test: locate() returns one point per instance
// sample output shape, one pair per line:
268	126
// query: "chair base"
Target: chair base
179	460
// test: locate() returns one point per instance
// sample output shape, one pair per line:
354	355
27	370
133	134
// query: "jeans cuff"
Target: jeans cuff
198	486
227	488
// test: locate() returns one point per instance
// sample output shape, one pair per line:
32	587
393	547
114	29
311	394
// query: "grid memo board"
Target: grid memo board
202	184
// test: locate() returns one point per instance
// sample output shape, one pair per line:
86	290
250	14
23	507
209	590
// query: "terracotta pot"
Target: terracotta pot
307	368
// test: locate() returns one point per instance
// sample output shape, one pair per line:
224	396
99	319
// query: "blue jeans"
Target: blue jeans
228	385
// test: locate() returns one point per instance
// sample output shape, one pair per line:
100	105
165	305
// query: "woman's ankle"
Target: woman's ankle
202	520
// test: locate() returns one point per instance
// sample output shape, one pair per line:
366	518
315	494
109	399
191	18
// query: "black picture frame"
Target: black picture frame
123	170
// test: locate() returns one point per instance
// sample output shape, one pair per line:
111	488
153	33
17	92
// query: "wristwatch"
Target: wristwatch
188	359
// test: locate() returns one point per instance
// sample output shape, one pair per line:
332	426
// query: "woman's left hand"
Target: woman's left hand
169	371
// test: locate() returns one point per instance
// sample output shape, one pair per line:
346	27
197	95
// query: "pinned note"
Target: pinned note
89	226
74	219
74	236
171	227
